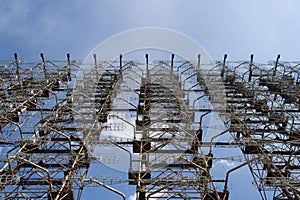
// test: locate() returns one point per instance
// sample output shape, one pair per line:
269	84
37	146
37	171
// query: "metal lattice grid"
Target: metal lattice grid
57	117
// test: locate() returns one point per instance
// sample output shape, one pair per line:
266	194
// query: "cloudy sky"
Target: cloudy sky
238	28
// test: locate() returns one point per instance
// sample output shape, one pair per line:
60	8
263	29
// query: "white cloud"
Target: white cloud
132	197
226	163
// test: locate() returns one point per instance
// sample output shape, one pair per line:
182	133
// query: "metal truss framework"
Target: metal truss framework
55	114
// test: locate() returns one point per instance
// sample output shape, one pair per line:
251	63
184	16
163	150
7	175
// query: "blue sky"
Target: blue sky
238	28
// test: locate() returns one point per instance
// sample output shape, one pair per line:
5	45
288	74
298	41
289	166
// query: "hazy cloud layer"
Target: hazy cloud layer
238	28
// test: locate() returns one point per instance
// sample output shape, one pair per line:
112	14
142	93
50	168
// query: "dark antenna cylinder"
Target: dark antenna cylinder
199	59
121	56
250	70
147	62
172	61
68	59
223	68
276	64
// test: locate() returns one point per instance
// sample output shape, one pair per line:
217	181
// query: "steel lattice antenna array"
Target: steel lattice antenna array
55	115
